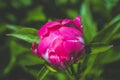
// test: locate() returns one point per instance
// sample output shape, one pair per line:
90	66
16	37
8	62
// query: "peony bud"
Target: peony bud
61	43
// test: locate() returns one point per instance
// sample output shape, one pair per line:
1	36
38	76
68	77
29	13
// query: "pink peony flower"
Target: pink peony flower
61	43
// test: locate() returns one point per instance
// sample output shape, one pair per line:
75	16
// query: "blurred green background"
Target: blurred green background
101	20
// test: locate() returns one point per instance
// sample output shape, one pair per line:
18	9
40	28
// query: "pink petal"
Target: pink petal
45	42
34	48
69	32
59	57
66	21
74	48
77	22
44	29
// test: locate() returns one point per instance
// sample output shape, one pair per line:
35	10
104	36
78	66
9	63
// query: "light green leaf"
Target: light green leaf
90	28
27	34
51	68
14	27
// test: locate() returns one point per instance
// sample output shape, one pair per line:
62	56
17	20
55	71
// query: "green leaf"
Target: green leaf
88	64
51	68
95	62
14	27
61	2
114	21
2	4
61	76
110	4
99	7
110	56
29	59
116	36
42	73
2	28
31	71
11	17
27	34
21	3
17	46
20	50
36	14
109	31
90	28
71	13
90	60
100	48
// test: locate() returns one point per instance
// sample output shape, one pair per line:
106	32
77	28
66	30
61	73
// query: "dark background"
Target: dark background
35	13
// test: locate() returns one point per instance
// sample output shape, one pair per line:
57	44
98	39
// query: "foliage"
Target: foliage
20	20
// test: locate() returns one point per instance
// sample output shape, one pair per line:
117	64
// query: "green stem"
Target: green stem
43	73
71	77
10	65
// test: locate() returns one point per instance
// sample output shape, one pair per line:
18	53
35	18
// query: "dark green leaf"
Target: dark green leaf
110	4
20	50
99	7
61	2
88	64
31	71
96	49
111	55
21	3
2	4
109	31
11	17
2	28
29	59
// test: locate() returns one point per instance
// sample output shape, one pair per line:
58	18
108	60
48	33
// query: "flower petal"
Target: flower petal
66	21
74	47
44	30
58	57
77	22
69	32
34	48
45	42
